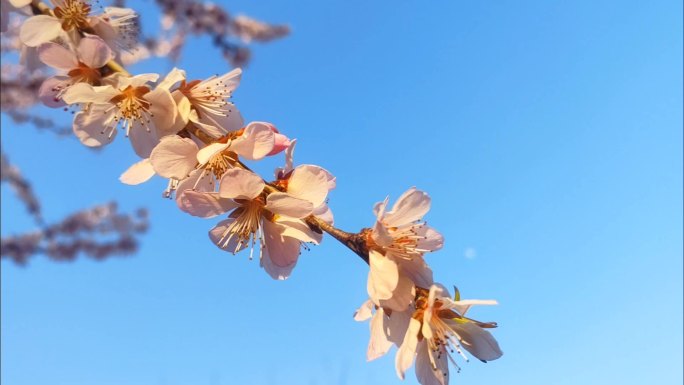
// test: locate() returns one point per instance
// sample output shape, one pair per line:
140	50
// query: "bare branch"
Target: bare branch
98	232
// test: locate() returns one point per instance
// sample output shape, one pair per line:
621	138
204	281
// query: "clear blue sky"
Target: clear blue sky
549	135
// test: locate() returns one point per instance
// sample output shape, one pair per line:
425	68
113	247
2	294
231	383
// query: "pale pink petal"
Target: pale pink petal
208	129
310	183
380	208
230	80
463	306
57	56
143	139
255	143
364	312
220	235
397	325
479	342
183	108
206	153
198	180
142	79
50	88
40	29
411	206
426	374
85	93
240	184
381	235
297	229
402	296
174	157
378	345
281	172
163	110
281	143
417	271
139	172
285	204
386	286
280	253
324	213
204	204
94	128
172	78
94	52
431	241
19	3
227	121
407	350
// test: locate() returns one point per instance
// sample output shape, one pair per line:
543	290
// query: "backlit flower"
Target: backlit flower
68	16
437	328
145	114
176	157
80	67
253	219
206	103
396	246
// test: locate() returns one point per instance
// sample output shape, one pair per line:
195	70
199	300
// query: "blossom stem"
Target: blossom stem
355	242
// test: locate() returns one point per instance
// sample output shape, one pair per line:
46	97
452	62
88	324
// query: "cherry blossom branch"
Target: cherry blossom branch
189	132
356	242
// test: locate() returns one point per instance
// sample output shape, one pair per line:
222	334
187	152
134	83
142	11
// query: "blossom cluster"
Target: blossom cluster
189	131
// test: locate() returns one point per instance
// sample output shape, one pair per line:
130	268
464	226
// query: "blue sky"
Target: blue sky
549	135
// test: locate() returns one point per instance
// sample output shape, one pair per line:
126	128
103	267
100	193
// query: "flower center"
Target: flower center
73	14
245	230
85	74
219	163
132	107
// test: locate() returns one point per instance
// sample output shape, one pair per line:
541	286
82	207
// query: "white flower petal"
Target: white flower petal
378	345
94	52
364	312
296	228
50	89
432	240
94	128
174	157
39	29
138	173
407	350
280	253
255	143
204	204
143	139
284	204
310	183
426	374
411	206
57	56
85	93
387	286
174	76
163	110
220	236
397	325
417	271
240	184
209	151
324	213
479	342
